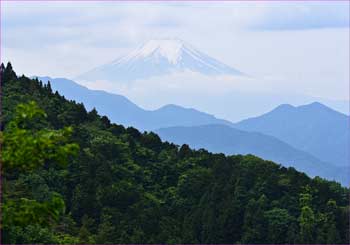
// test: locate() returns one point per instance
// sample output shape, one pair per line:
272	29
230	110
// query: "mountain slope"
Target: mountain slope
121	110
158	57
128	187
314	128
221	138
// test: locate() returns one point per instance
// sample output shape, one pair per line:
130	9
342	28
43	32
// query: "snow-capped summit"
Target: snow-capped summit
159	57
170	49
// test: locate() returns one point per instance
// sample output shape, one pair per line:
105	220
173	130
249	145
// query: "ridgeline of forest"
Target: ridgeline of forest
72	176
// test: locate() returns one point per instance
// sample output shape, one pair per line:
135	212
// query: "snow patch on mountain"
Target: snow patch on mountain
156	58
169	49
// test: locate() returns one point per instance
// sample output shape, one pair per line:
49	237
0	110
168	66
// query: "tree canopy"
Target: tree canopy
83	179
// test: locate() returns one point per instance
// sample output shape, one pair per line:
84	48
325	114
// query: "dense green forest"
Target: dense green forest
72	176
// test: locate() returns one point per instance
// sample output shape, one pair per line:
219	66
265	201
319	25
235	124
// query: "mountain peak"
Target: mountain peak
170	49
285	107
159	57
319	107
315	104
157	49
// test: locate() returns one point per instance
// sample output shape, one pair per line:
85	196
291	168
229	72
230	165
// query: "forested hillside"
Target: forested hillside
228	140
98	182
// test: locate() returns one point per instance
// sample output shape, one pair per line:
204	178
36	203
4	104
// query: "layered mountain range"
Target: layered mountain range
313	128
312	138
121	110
163	71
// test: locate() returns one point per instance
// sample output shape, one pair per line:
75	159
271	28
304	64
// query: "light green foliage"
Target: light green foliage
25	211
307	222
307	218
26	148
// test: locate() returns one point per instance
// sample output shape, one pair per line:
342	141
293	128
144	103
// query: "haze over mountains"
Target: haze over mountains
312	138
121	110
177	73
155	58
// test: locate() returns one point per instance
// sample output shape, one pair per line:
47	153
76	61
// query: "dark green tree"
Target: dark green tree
279	223
254	221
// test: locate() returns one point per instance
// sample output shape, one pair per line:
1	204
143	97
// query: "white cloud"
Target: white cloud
307	51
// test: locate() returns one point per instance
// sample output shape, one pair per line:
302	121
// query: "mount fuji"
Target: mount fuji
157	58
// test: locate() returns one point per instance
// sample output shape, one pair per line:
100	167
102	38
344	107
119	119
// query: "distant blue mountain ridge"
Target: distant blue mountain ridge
314	128
312	138
121	110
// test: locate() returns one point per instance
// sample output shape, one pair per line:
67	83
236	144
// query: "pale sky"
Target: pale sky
301	47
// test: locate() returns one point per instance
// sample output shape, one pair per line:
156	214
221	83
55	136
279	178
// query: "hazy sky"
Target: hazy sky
291	46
